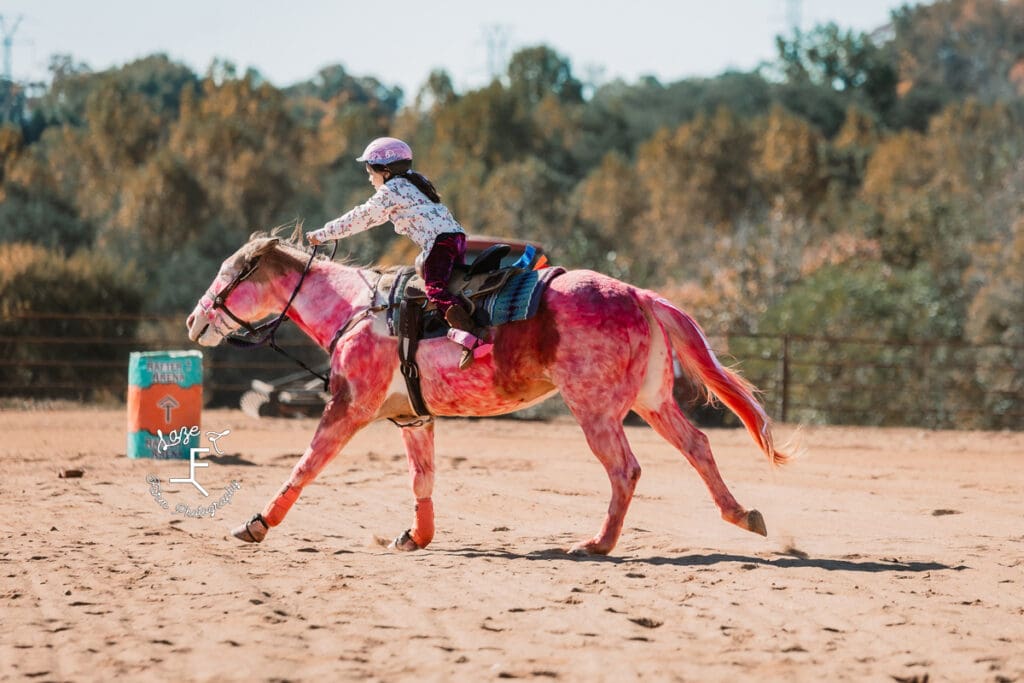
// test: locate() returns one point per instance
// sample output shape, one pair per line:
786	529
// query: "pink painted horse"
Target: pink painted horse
605	345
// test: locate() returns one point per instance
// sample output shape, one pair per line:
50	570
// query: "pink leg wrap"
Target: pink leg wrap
276	509
423	526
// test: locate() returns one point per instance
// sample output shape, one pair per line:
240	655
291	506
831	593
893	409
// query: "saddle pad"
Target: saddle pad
520	297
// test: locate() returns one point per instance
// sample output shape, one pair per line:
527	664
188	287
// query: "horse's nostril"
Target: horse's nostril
191	319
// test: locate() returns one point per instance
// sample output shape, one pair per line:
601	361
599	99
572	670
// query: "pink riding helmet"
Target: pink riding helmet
383	151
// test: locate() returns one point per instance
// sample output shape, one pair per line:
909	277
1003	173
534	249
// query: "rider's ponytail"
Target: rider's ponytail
423	184
403	169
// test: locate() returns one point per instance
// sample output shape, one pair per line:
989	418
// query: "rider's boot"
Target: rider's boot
459	318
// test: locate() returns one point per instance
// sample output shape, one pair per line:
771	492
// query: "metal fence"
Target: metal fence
85	356
934	383
816	380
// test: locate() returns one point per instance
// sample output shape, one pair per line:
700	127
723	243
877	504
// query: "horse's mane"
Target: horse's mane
291	252
287	254
385	270
293	239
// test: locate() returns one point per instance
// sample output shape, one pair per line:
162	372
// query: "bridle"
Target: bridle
263	335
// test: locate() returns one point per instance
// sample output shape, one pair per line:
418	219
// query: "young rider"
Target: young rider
410	201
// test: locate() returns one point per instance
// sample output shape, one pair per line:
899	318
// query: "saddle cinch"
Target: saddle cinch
493	295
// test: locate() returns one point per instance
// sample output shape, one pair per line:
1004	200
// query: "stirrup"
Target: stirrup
468	341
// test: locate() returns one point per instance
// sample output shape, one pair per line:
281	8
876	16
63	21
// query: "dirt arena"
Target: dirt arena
892	555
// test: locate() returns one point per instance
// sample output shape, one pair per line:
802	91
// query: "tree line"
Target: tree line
862	185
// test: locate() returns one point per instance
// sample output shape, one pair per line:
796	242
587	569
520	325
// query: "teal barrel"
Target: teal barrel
165	402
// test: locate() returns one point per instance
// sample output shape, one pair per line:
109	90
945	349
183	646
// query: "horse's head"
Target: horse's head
239	296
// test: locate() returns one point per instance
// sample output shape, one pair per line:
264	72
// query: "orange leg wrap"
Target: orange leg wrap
423	526
276	509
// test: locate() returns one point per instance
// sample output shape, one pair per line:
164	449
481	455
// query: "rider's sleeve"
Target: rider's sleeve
375	211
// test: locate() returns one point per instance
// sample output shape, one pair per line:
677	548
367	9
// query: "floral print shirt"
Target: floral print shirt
402	203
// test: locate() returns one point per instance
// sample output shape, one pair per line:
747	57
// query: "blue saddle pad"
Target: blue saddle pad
519	298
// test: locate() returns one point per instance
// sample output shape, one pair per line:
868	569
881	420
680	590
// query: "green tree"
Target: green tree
35	280
537	72
162	204
34	217
959	48
840	381
699	181
437	92
610	204
996	316
70	84
828	69
484	125
847	62
12	105
528	200
847	156
12	144
926	190
241	146
789	164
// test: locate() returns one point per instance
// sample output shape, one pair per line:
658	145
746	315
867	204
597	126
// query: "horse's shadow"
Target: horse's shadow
785	561
232	459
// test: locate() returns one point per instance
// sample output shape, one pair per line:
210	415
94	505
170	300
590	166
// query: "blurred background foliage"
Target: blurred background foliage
869	186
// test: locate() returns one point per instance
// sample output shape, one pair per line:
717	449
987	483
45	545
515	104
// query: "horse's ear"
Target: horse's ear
266	247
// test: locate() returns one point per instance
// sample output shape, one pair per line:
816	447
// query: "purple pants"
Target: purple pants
448	251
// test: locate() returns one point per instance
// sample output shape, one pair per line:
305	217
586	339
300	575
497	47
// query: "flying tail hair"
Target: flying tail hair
699	362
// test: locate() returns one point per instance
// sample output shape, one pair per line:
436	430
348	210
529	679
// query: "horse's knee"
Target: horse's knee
698	445
627	477
633	472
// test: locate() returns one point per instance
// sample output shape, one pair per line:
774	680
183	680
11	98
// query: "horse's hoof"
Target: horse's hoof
588	548
404	542
755	522
253	531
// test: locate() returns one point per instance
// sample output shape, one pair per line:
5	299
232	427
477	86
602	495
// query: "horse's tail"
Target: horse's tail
700	363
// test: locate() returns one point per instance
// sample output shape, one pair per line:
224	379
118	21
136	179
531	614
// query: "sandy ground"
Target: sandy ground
891	555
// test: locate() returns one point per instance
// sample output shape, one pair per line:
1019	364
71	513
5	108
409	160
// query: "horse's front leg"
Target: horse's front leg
419	449
341	419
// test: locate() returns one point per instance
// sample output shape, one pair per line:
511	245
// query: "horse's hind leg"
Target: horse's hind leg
669	421
607	440
419	449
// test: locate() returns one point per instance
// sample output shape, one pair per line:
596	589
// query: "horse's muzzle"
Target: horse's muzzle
193	333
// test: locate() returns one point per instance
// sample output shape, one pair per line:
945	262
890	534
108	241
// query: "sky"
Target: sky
400	42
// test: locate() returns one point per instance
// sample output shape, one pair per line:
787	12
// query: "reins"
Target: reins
269	328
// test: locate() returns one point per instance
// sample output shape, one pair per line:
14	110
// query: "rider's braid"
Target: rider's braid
403	169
